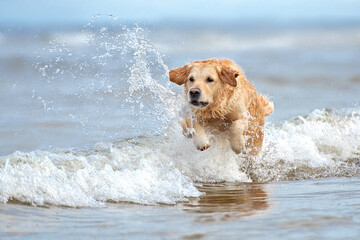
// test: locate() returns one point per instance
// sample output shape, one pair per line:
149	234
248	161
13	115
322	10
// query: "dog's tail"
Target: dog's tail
268	106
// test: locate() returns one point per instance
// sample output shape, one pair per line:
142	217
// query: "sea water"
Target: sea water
90	140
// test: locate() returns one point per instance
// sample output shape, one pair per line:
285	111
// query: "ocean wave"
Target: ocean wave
163	167
167	168
243	40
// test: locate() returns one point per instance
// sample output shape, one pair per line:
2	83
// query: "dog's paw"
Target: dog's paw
201	142
238	150
189	133
239	145
203	148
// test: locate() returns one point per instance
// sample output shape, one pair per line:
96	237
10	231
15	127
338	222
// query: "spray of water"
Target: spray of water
111	71
115	71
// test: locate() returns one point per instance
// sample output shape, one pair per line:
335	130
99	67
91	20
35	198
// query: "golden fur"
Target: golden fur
230	104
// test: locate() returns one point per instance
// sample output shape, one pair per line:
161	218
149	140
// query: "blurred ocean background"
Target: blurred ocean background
88	119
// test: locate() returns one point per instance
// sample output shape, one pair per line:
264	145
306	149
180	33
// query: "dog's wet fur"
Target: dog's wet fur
222	99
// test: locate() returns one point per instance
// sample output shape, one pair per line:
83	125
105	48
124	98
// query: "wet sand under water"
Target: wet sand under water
312	209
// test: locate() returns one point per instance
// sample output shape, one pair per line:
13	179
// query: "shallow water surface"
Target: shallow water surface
312	209
91	147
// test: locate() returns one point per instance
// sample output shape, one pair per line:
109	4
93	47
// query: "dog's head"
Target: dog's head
204	80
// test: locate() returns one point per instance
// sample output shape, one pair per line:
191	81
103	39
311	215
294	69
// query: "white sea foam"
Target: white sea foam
323	144
166	167
159	169
129	173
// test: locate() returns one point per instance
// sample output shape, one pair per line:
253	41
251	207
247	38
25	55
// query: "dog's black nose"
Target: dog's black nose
195	92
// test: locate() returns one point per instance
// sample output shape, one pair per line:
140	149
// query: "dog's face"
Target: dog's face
203	81
201	85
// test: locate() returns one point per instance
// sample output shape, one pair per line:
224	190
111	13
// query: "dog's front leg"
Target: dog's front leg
200	137
187	128
237	141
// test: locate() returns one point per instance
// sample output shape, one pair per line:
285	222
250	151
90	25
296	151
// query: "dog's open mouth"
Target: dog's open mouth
198	104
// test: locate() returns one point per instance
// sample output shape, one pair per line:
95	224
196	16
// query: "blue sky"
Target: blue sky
47	12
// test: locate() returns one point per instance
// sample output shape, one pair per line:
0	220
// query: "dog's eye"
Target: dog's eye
209	79
191	79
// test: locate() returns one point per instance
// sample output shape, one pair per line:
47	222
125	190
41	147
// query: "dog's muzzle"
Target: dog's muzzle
194	95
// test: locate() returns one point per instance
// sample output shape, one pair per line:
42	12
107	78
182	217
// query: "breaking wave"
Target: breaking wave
159	169
163	166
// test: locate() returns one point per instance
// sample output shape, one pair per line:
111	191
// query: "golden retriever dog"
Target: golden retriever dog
222	101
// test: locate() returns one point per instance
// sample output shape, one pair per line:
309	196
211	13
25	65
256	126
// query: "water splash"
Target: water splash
112	71
158	169
325	143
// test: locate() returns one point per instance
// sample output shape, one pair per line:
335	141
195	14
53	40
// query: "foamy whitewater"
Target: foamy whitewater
161	166
151	170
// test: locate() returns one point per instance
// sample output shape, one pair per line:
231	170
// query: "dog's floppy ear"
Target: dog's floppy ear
179	75
228	76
